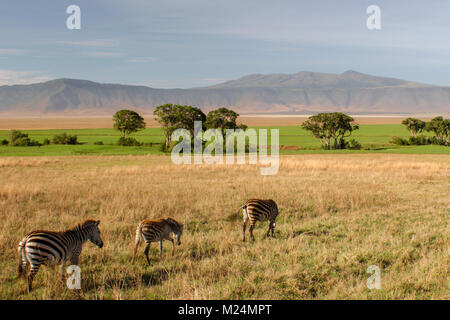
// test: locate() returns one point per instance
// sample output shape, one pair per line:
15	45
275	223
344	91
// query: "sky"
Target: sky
192	43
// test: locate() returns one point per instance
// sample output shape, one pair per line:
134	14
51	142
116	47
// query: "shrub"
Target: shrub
4	142
419	140
98	143
399	141
46	142
353	145
20	139
437	141
16	135
128	142
64	138
163	148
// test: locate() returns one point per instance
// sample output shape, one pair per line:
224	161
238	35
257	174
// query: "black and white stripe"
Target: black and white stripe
48	247
259	210
157	230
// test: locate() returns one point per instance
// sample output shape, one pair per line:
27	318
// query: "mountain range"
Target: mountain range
300	93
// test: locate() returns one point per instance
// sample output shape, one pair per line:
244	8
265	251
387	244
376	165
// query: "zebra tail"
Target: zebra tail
21	268
240	208
139	234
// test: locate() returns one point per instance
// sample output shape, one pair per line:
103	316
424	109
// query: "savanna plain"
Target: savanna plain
339	214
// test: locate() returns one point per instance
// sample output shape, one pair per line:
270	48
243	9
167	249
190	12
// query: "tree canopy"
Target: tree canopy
441	128
223	119
415	126
172	117
128	121
328	126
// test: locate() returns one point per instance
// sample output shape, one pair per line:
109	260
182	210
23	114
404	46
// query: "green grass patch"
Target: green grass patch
374	139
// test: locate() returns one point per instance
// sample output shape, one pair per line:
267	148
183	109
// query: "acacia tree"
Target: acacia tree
223	119
441	129
127	122
328	126
319	126
344	128
173	117
415	126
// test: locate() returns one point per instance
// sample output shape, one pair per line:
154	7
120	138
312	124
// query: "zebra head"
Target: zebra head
93	232
178	233
177	229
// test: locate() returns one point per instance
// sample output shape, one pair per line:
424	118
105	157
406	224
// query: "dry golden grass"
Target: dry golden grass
47	123
339	214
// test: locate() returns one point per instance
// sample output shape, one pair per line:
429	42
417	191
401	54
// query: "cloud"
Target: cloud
141	60
92	43
102	54
11	52
11	77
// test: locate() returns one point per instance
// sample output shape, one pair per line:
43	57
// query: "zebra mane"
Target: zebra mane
85	224
173	222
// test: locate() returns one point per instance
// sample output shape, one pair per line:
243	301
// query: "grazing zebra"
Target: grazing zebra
157	230
259	210
48	247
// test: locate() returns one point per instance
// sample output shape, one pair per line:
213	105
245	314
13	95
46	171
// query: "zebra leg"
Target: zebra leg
62	272
173	247
74	260
33	270
246	218
160	248
270	229
138	241
252	225
147	248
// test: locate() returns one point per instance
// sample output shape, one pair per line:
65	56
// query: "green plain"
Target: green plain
375	138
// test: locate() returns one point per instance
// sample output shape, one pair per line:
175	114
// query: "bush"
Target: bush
435	140
46	142
4	142
399	141
163	148
98	143
20	139
64	138
353	145
128	142
414	141
17	135
419	140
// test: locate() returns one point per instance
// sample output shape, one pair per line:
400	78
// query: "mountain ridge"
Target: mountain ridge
300	92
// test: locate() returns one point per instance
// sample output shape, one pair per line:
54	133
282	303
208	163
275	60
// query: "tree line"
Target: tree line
331	129
173	117
439	126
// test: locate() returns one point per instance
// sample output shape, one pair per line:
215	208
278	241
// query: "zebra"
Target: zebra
259	210
51	248
157	230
